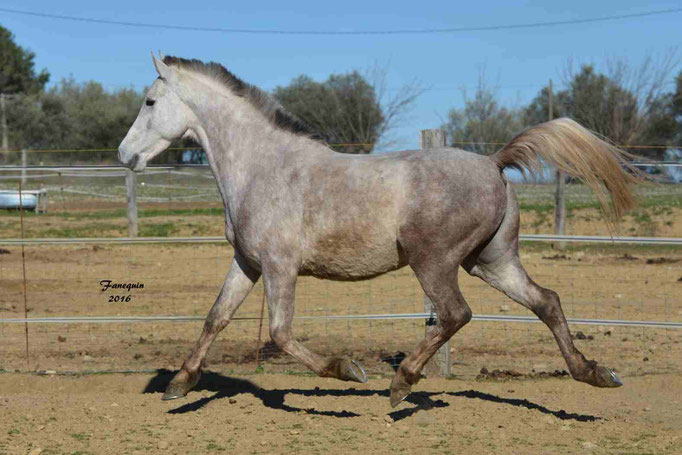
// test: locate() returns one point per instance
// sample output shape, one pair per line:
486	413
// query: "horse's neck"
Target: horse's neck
239	143
239	146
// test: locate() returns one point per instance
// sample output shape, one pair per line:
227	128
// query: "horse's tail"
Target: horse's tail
573	149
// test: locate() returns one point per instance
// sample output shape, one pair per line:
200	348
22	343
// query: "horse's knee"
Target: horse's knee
215	323
281	336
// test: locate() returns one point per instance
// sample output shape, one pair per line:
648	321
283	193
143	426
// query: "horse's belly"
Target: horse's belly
346	262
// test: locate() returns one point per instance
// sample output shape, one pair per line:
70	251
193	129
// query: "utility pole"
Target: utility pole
560	193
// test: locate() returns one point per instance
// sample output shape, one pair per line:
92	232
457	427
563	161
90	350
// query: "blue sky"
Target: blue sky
519	61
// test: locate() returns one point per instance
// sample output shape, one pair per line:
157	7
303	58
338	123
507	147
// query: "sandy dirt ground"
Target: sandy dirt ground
268	414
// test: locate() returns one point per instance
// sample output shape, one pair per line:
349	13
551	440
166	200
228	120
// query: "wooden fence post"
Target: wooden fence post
24	162
560	193
131	198
441	360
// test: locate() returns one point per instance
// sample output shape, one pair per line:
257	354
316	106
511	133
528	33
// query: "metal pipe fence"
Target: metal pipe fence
72	326
624	304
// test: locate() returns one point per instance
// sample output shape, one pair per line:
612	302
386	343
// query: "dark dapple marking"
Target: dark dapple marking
295	207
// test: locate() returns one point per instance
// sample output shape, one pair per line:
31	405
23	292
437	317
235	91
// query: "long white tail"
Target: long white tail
573	149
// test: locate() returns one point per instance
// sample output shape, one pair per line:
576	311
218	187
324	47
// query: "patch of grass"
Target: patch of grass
158	229
210	211
118	213
16	213
541	218
602	249
93	214
536	207
213	447
641	216
80	436
88	230
642	437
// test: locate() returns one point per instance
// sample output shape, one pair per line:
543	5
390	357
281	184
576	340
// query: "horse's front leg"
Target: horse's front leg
239	282
280	288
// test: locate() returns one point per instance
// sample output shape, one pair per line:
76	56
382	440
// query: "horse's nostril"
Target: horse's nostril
133	161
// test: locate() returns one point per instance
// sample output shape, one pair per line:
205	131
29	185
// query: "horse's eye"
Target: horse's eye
150	102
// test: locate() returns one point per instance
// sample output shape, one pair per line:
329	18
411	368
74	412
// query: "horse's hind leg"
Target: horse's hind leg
239	282
280	287
502	269
439	281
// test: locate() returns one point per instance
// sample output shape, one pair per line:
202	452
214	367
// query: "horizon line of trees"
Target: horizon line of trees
626	104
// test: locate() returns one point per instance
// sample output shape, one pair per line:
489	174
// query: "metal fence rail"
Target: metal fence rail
389	316
523	237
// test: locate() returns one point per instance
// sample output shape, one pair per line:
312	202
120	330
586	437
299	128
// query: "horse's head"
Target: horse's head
162	118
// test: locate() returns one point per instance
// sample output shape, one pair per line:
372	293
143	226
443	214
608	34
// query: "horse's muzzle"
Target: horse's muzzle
133	162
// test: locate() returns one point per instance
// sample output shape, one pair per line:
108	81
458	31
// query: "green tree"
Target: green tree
676	108
661	128
73	115
99	119
342	110
592	99
626	104
537	110
37	121
17	69
482	126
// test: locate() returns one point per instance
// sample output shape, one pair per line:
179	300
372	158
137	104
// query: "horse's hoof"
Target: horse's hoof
606	377
181	384
347	370
173	392
356	372
400	389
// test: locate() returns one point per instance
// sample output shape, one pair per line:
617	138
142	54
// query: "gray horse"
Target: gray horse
295	207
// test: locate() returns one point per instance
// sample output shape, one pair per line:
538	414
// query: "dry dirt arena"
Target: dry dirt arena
277	407
275	413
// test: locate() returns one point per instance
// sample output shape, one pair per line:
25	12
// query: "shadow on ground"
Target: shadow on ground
226	387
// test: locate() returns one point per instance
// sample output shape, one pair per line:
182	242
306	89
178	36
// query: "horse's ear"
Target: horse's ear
164	70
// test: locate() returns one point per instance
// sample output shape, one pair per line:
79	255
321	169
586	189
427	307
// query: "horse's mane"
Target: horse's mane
266	104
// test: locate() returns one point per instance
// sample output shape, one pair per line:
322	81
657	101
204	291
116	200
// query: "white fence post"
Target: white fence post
131	198
433	139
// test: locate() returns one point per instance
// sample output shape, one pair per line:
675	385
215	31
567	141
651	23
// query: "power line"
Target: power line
347	33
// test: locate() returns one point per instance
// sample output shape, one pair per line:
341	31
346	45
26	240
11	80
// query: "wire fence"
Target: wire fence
623	300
